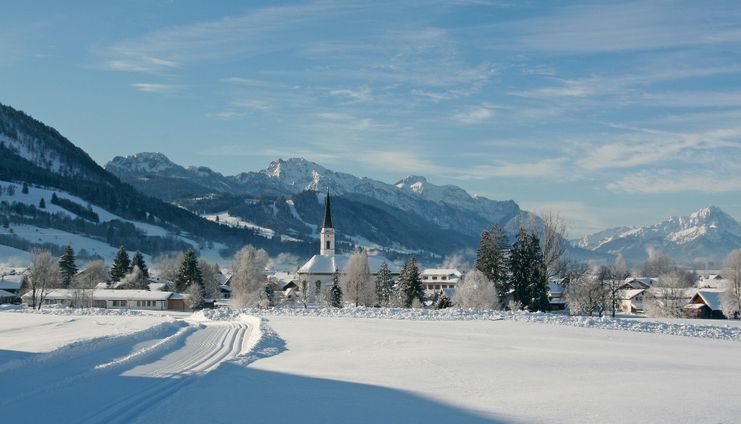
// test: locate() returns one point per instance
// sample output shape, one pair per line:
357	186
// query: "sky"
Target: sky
610	113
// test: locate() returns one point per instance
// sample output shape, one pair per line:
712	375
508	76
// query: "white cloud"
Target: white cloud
675	181
155	88
474	116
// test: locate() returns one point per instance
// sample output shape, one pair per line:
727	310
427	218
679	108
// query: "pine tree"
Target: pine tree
384	284
121	265
269	293
24	190
189	272
335	292
491	259
42	204
138	260
54	198
410	285
443	301
528	276
67	266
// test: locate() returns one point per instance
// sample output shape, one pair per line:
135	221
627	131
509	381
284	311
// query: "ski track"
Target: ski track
203	351
158	367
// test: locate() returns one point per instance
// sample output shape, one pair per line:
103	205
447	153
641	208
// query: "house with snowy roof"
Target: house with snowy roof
10	288
440	278
706	303
639	283
115	299
318	270
631	300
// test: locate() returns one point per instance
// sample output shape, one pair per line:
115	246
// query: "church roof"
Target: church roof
320	264
327	214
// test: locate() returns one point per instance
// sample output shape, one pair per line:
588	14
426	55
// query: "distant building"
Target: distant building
706	303
440	278
117	299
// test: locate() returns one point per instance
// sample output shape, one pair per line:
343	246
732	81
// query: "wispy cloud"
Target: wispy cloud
155	88
678	181
474	116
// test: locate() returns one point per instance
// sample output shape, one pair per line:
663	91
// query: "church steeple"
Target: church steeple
327	213
327	235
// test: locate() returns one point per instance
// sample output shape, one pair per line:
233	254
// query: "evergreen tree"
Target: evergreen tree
42	204
528	274
24	190
384	284
269	293
410	285
491	259
54	198
189	273
67	266
138	260
335	292
121	265
443	301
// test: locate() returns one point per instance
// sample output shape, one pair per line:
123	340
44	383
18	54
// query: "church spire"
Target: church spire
327	213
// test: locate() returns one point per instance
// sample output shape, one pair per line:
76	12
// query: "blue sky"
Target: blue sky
613	113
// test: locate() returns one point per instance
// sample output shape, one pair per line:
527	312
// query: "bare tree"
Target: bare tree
553	242
731	298
167	267
669	298
657	264
476	291
211	279
617	273
84	283
358	287
44	276
586	293
248	276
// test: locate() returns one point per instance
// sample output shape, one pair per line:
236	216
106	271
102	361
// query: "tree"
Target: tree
553	242
731	297
384	285
357	280
167	267
668	298
44	276
24	190
476	291
67	266
189	273
335	292
248	276
657	264
585	294
491	259
42	204
409	286
121	265
195	296
211	279
134	280
528	273
618	272
85	282
138	261
443	301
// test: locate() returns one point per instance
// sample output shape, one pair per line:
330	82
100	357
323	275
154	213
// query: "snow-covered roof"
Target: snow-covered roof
441	271
4	293
555	288
157	286
711	297
694	305
630	293
10	284
109	294
646	281
320	264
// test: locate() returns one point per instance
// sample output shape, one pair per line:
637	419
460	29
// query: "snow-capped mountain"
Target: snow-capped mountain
706	235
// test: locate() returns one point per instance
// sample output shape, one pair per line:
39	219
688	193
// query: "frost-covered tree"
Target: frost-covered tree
248	276
357	285
194	300
409	286
585	294
552	242
491	259
528	273
67	266
384	285
44	276
668	298
166	267
211	275
138	261
188	273
335	291
657	265
121	265
476	291
85	282
134	280
731	297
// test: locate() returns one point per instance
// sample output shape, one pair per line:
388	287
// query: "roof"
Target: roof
646	281
327	223
320	264
712	298
11	282
110	294
4	293
630	293
555	288
441	271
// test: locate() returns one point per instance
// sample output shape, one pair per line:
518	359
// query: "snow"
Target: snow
361	366
12	257
41	235
235	221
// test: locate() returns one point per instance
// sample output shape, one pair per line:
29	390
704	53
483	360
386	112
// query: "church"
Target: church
319	269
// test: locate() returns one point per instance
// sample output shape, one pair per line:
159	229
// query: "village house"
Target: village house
440	278
631	300
115	299
10	288
706	303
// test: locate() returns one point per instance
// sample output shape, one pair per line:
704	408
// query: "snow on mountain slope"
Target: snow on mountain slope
705	235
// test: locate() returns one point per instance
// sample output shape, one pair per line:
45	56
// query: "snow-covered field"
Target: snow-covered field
352	366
